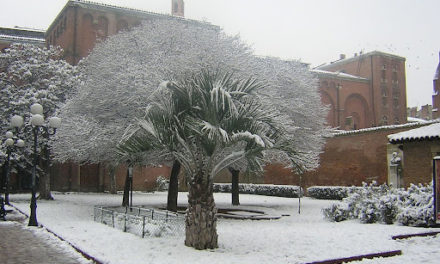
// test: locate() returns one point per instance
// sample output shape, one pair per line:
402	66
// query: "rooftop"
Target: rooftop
428	132
340	75
107	7
359	57
22	35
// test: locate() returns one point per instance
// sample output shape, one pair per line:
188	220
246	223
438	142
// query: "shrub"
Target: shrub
336	212
371	203
162	184
328	192
290	191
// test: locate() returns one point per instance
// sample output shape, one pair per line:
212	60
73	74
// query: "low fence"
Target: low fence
141	221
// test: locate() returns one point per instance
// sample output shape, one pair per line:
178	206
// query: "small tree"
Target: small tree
30	74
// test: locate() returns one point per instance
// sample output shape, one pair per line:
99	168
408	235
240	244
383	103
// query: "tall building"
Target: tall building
366	90
80	24
436	94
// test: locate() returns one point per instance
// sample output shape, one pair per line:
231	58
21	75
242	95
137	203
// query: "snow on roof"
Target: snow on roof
21	39
415	119
341	75
428	132
371	129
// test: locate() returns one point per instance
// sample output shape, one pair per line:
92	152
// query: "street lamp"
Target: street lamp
10	142
38	126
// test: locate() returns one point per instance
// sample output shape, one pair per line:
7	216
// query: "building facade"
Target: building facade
364	91
81	24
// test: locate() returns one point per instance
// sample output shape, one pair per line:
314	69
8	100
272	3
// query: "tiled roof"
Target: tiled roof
359	57
428	132
340	75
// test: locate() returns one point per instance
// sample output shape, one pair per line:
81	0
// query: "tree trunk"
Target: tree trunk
235	191
112	175
45	176
126	196
201	217
173	189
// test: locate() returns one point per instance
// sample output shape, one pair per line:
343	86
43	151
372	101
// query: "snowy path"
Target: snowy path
291	239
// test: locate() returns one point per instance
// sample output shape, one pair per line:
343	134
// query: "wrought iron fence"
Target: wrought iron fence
141	221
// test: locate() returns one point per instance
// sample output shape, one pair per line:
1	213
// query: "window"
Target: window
396	121
394	78
384	120
384	90
396	102
385	102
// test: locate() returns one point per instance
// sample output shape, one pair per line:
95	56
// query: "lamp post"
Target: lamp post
37	126
10	142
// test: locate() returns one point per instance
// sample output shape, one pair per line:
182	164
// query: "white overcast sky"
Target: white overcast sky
313	31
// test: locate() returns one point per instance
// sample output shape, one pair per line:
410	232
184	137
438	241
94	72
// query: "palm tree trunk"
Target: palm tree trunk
112	175
201	217
235	190
173	189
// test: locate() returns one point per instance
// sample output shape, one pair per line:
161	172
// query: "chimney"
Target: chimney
177	8
342	56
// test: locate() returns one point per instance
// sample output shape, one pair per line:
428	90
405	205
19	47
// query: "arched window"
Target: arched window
384	120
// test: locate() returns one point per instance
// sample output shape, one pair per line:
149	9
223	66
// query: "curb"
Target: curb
360	257
83	253
415	235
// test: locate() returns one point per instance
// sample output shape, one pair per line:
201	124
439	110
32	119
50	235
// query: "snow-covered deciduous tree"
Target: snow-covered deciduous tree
30	74
122	73
121	77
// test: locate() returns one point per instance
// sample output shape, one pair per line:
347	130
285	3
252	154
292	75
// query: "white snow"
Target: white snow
426	132
339	74
297	238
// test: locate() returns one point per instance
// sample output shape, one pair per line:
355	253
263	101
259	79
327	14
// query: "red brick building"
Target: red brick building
366	90
80	24
416	149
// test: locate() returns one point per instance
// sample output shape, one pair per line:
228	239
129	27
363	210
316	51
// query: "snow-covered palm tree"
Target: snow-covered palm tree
208	121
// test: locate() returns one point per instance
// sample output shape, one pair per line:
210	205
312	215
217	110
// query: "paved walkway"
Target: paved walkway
20	244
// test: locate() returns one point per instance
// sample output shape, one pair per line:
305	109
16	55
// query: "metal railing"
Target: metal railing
141	221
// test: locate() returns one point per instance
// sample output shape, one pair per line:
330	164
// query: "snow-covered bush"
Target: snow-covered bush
328	192
417	206
371	203
261	189
336	212
162	183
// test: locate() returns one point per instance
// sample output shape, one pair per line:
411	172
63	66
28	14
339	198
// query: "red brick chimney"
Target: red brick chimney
177	8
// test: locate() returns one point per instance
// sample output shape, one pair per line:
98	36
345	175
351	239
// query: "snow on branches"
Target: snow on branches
122	74
30	74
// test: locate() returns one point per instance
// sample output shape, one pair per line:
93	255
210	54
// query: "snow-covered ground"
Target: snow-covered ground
296	238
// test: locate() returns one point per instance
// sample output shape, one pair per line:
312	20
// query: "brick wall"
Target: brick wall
348	159
417	160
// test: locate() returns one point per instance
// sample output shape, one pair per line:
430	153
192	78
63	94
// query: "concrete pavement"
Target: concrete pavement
20	244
